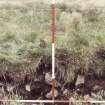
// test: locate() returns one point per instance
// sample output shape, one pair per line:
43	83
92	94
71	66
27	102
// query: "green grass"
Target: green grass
82	34
21	28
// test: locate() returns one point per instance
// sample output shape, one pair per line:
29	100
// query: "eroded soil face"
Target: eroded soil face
27	80
36	82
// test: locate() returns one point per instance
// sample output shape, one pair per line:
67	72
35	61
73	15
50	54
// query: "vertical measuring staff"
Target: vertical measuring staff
53	45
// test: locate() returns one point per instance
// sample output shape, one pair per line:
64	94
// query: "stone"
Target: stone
80	80
27	87
48	78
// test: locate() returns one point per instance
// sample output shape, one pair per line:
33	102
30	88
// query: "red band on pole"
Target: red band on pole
53	22
53	85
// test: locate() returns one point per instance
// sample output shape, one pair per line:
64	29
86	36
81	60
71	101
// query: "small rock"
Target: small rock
27	87
80	80
48	78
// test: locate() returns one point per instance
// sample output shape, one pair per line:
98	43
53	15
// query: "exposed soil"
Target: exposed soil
33	81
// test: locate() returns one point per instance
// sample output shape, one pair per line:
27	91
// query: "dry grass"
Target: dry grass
21	30
82	34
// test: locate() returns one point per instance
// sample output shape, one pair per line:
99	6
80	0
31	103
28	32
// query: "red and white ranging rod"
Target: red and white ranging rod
53	45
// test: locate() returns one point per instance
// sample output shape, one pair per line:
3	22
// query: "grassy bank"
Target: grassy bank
23	31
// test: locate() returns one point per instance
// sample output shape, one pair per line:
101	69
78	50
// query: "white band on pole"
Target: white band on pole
53	1
53	61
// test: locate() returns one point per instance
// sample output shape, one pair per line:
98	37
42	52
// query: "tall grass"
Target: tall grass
21	28
82	34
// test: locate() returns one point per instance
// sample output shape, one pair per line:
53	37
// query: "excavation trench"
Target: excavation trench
33	80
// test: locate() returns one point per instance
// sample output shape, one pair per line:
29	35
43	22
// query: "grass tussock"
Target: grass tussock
81	34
